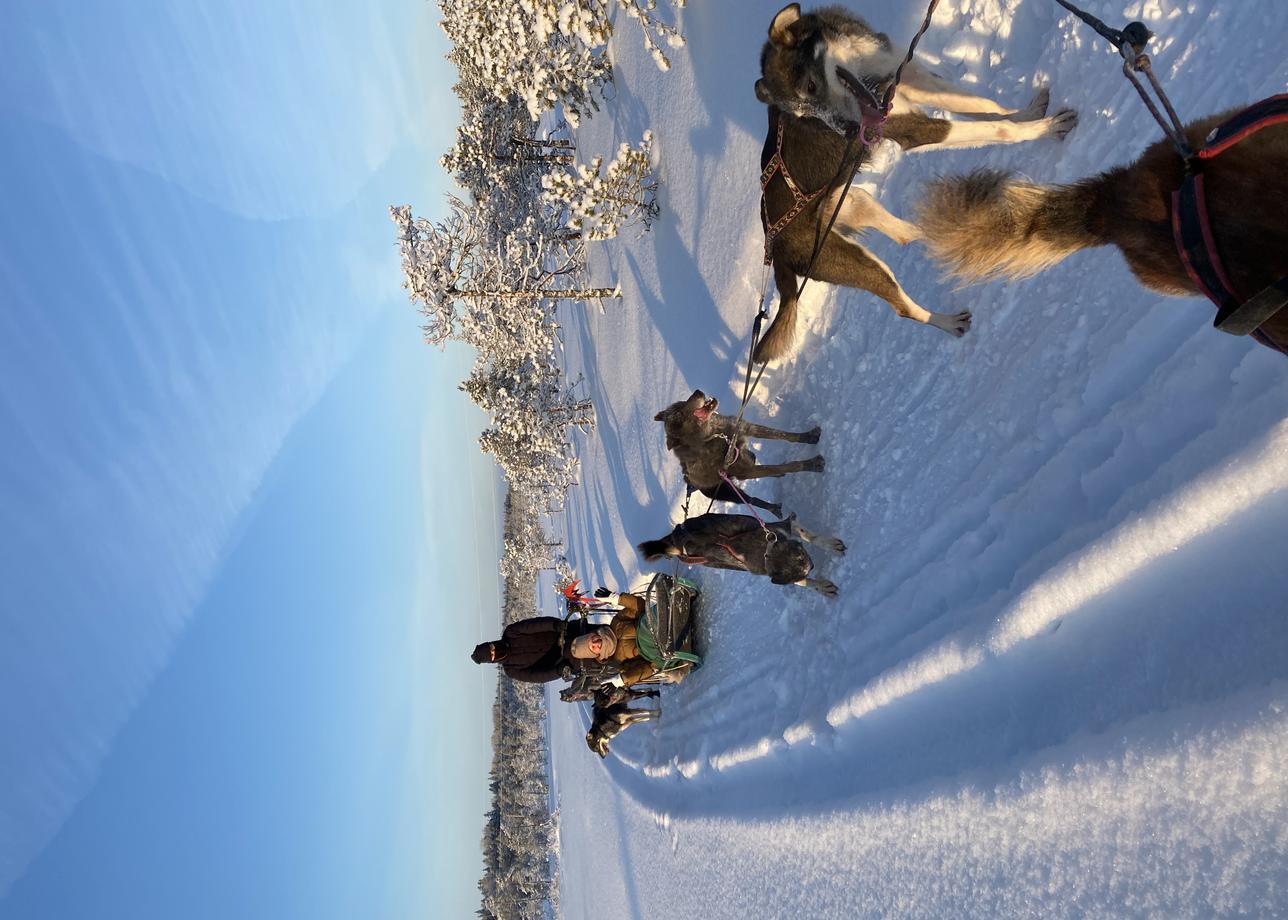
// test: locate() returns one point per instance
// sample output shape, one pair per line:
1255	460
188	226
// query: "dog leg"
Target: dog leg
763	470
920	87
821	585
861	211
725	493
640	715
846	263
963	134
756	432
831	544
779	339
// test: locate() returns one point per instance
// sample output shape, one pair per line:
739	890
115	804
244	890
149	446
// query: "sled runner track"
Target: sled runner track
1065	537
1080	586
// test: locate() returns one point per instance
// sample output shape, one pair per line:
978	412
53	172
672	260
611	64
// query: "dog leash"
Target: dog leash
1130	42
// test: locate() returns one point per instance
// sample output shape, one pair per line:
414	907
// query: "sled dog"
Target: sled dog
701	439
742	543
814	68
612	715
988	224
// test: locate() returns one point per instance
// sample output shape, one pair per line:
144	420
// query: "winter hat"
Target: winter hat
581	645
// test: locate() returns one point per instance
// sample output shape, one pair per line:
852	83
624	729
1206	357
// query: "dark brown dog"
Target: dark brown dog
613	715
806	67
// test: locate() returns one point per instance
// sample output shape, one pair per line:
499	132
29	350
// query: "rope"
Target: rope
1130	42
888	101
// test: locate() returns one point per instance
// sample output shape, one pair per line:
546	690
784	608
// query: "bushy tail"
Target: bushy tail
989	225
779	340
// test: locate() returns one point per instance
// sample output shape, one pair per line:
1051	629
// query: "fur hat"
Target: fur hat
580	646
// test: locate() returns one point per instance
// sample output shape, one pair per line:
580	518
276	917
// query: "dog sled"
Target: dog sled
664	636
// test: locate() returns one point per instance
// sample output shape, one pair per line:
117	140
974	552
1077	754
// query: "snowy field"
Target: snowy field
1056	680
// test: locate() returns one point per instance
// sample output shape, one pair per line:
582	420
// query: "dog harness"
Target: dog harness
1192	230
800	200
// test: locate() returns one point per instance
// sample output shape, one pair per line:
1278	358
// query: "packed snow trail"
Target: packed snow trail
1056	679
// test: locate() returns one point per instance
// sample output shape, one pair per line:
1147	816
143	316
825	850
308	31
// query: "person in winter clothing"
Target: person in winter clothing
542	649
616	641
532	650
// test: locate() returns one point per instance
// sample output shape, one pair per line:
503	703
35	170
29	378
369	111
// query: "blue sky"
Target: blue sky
249	536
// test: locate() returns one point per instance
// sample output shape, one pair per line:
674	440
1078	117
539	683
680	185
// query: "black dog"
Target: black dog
613	715
740	542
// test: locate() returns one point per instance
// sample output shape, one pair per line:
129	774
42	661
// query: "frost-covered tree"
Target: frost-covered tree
655	32
465	287
520	49
601	201
519	828
436	260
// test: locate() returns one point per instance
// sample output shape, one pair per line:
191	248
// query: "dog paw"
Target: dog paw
1037	108
956	324
835	546
1061	123
814	465
825	588
812	436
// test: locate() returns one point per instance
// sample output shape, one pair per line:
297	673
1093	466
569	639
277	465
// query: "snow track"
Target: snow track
1055	681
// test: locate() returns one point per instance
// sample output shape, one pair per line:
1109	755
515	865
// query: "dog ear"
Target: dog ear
762	92
778	29
660	417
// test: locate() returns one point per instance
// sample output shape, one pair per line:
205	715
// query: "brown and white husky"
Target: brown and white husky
814	70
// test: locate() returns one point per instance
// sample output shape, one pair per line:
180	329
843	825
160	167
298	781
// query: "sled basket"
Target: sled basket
664	632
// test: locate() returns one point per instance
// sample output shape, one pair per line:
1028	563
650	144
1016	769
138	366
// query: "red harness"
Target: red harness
800	200
1196	244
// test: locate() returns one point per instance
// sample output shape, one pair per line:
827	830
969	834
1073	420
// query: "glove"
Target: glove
601	591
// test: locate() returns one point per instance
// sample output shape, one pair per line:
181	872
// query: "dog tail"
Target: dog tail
779	340
987	224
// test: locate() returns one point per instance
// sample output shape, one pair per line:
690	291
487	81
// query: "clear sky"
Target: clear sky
248	536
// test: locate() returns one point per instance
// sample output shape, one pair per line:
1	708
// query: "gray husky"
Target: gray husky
701	440
821	76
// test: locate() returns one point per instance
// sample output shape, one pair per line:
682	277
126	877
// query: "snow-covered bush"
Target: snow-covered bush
599	201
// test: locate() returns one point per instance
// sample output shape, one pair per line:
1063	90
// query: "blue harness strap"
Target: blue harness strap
1192	230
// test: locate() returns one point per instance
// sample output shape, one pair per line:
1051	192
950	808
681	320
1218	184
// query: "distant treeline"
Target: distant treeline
494	273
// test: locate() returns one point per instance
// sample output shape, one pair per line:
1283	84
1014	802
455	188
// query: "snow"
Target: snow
1056	680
